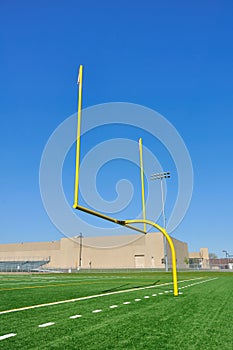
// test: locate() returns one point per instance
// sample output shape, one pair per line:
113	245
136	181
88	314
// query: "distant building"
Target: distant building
221	264
106	252
199	260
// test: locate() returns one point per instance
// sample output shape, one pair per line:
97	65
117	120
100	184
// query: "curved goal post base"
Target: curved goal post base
129	224
168	238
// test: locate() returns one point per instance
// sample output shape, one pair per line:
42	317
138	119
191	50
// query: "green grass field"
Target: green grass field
131	311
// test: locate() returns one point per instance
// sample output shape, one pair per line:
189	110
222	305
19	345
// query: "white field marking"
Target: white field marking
200	282
166	291
46	324
47	280
27	283
126	303
146	297
43	278
154	295
160	293
92	296
137	299
75	316
7	336
113	306
96	311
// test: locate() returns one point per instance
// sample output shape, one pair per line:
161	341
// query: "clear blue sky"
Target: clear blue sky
172	56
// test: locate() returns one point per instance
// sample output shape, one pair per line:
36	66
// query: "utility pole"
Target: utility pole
80	249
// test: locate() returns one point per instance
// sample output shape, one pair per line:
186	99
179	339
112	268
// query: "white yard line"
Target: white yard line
7	336
47	280
200	282
75	316
46	324
92	296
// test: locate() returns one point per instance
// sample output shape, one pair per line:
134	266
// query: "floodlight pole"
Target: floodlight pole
161	176
80	249
227	256
226	252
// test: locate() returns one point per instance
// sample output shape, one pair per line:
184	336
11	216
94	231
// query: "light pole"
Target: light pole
227	257
80	249
161	176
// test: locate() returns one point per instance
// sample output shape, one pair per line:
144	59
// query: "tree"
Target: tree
212	256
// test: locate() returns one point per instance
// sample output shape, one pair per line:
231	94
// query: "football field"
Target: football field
116	311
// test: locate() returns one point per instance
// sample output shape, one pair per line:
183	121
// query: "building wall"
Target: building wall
201	258
182	254
139	251
20	251
202	254
129	251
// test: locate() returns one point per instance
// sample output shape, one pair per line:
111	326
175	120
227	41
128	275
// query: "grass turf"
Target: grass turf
199	318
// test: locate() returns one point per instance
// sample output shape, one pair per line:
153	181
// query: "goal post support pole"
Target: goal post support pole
169	240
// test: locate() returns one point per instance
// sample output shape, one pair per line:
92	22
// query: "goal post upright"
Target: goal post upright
142	183
77	163
76	204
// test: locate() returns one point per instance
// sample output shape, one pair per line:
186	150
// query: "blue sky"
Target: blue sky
173	57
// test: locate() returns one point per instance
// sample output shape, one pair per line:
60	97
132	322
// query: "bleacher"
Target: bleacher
26	265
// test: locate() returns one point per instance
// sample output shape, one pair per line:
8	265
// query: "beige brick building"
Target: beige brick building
200	259
129	251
